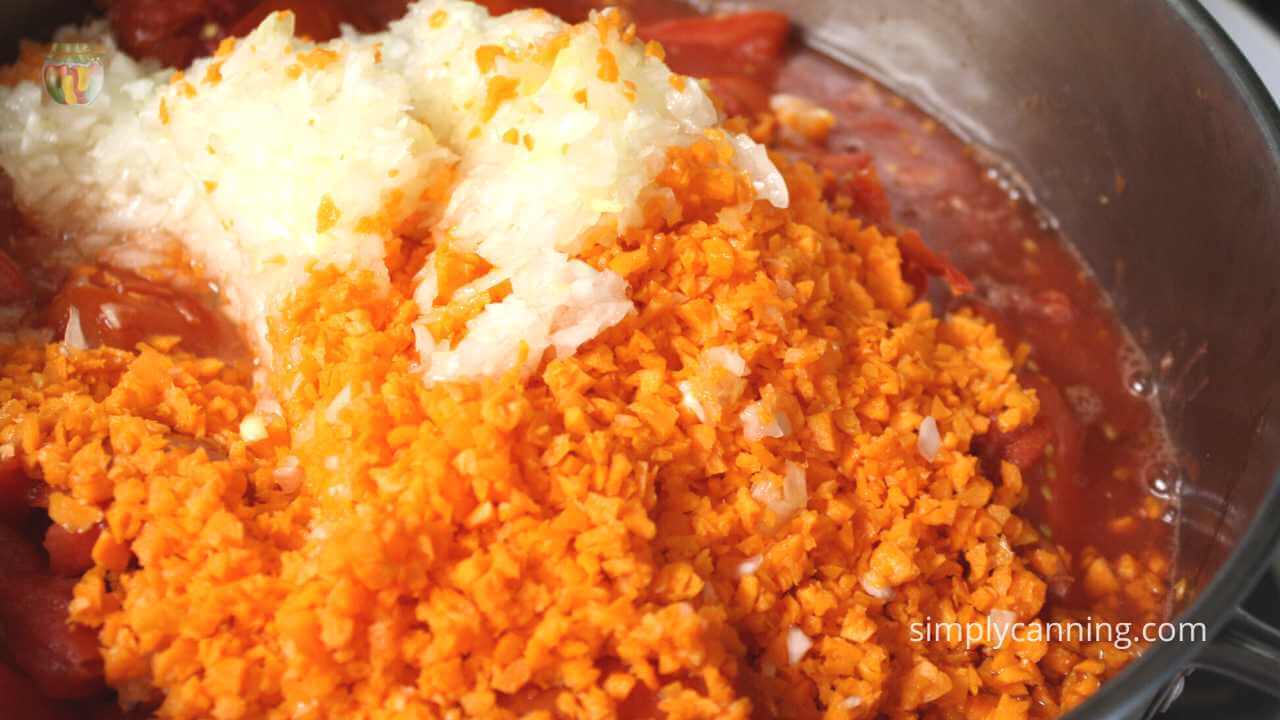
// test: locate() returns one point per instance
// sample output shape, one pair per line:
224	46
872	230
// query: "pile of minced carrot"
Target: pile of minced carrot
730	505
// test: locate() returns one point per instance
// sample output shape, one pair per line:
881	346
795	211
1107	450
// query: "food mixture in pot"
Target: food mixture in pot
446	360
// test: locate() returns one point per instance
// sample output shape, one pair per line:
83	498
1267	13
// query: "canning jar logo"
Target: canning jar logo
73	73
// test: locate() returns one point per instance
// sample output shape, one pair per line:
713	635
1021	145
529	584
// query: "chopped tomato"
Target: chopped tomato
1022	447
70	553
38	495
747	43
739	53
1055	425
378	13
855	175
175	32
315	19
108	709
62	659
120	310
740	95
13	284
573	11
18	555
917	256
15	490
23	702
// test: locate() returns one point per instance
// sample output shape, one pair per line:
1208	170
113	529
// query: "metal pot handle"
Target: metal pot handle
1247	650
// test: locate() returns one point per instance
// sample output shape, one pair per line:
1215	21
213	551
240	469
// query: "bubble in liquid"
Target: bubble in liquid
1164	479
1141	384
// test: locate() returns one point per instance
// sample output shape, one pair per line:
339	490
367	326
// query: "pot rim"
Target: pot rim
1250	559
1129	693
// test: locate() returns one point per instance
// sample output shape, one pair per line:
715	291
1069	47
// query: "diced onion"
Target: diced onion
929	441
795	491
798	644
760	170
756	429
716	382
793	498
689	399
338	404
750	565
74	338
253	428
727	358
288	477
875	589
1001	622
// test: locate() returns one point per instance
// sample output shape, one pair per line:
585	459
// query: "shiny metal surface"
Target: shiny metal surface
1187	243
1142	131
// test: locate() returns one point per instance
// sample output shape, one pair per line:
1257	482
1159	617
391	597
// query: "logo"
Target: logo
74	73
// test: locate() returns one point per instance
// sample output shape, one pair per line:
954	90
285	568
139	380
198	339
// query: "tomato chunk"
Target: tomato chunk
573	11
62	659
1022	447
856	177
740	95
15	491
918	256
23	702
18	555
120	310
377	13
739	44
175	32
13	283
739	53
70	553
1054	425
315	19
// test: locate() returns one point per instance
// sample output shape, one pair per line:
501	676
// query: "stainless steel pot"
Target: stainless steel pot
1072	95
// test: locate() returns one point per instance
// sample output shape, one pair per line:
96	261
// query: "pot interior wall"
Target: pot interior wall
1187	243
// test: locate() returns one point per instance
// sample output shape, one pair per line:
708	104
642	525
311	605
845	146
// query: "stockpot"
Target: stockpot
1069	95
